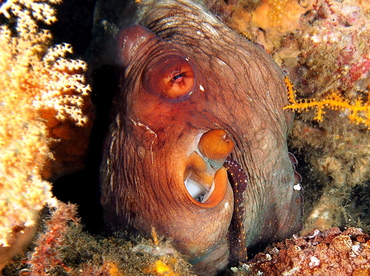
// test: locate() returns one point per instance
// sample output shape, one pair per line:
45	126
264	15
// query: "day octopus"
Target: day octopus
197	148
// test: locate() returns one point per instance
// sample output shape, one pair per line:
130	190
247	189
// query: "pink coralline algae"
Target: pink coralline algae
333	50
331	252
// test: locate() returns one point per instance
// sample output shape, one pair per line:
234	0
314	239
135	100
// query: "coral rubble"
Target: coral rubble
37	85
332	252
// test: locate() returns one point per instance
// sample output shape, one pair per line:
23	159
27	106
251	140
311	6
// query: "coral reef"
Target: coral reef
46	257
265	22
38	86
274	17
323	47
328	61
320	253
63	248
358	112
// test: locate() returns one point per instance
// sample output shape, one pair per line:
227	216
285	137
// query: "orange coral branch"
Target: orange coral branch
35	79
357	111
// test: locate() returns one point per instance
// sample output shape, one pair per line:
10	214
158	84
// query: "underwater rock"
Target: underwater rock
326	55
63	247
331	252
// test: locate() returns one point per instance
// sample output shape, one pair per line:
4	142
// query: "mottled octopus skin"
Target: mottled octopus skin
226	83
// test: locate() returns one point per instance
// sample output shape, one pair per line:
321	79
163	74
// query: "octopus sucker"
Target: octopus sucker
297	176
239	180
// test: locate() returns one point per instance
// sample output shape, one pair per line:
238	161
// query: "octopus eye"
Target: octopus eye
170	77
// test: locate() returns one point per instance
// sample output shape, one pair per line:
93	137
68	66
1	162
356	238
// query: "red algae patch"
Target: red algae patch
319	253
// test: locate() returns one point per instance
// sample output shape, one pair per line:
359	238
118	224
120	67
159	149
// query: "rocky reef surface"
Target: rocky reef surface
323	47
319	253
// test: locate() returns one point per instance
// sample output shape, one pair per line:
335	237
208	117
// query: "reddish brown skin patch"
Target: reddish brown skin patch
223	82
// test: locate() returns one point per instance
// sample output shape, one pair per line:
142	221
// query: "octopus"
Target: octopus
197	145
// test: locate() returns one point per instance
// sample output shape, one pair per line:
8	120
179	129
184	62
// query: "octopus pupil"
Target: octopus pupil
178	77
